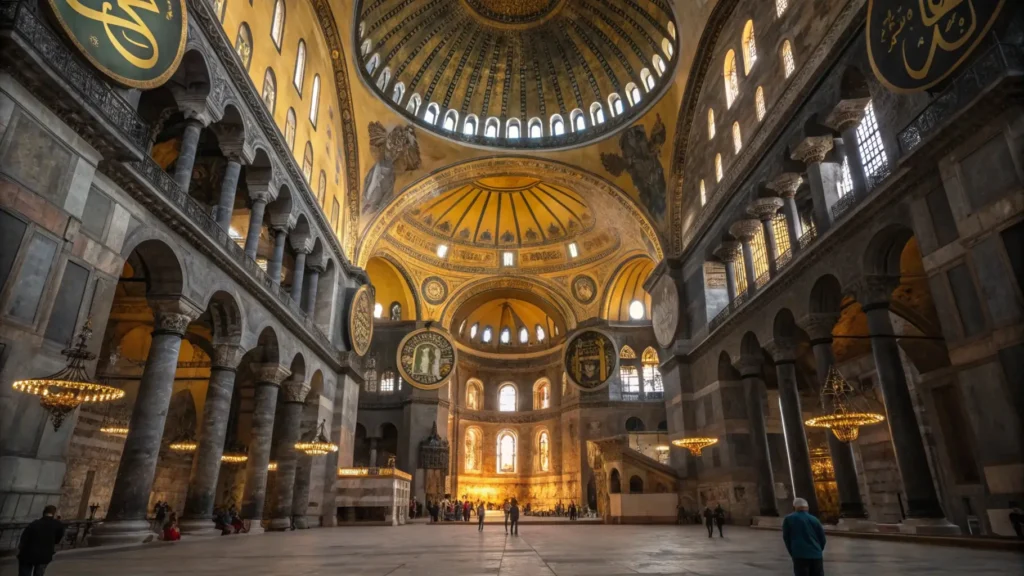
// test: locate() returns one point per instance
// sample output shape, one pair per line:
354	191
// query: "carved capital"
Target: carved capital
295	390
173	315
227	356
786	184
745	229
813	149
271	374
819	326
258	183
749	366
231	139
874	290
281	220
764	209
301	242
847	114
729	251
782	350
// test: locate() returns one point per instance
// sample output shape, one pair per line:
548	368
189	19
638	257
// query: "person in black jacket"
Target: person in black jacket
709	521
39	543
513	514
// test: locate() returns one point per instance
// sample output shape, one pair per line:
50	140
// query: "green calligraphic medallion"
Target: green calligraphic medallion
138	43
915	44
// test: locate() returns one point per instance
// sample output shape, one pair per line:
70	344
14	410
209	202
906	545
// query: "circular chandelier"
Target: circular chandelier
695	444
272	467
319	444
70	387
184	443
844	421
115	423
235	453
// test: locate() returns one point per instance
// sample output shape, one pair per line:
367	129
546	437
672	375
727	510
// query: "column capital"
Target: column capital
295	390
317	267
745	229
269	373
782	350
259	183
819	326
847	114
813	149
874	290
173	315
302	242
226	356
786	184
281	220
749	366
231	139
729	251
764	209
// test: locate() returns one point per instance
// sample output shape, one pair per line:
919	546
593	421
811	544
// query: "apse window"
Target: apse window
636	310
578	123
430	116
469	126
508	259
450	120
378	310
524	335
573	250
442	250
659	64
473	330
536	130
633	93
540	333
506	335
647	78
596	114
507	398
615	103
512	130
487	335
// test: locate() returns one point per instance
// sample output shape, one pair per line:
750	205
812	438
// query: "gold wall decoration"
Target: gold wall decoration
915	44
426	358
435	290
360	320
137	43
590	359
584	289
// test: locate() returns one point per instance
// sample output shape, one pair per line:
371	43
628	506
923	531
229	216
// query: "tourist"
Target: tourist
480	517
467	509
160	512
458	511
805	540
507	507
39	543
709	521
719	519
572	511
171	531
1017	519
513	514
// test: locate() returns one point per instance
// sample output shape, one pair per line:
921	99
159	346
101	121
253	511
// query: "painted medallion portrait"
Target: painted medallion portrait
426	358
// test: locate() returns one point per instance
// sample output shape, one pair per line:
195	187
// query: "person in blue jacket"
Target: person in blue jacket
805	540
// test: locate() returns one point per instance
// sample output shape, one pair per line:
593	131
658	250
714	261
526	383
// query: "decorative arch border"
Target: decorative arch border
533	285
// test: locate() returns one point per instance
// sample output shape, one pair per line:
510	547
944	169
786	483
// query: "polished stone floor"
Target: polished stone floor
539	551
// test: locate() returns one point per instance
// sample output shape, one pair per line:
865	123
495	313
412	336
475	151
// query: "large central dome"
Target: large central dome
521	74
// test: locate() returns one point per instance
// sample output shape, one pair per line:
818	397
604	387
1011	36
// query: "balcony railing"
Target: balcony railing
762	279
843	205
808	236
784	259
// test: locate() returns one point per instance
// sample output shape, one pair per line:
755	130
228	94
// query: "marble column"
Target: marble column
274	266
202	483
268	381
784	354
293	393
786	186
187	153
764	209
297	276
753	385
845	118
312	282
819	329
744	231
373	452
252	236
129	502
728	253
228	187
873	292
300	495
821	177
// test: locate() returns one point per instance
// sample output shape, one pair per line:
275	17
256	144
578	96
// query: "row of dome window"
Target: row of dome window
505	337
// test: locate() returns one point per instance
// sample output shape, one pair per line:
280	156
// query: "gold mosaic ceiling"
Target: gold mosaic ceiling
517	62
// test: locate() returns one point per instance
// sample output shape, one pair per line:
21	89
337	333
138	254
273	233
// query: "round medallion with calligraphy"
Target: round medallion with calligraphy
434	289
137	43
584	289
360	320
426	358
665	310
914	45
590	359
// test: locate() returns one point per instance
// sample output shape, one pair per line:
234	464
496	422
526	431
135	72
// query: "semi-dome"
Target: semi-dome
525	74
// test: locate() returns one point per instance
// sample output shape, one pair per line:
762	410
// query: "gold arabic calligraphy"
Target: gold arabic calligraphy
133	24
942	17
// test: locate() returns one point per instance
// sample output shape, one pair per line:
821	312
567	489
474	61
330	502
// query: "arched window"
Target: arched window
269	90
557	125
732	81
749	47
277	24
384	78
451	118
634	424
536	128
364	49
243	45
307	163
512	129
788	63
667	48
506	452
507	398
396	311
759	106
289	129
506	335
737	138
577	120
647	79
433	111
487	335
718	168
651	372
371	65
671	29
321	189
543	451
627	353
703	193
633	93
300	67
469	126
473	330
413	107
398	93
524	335
387	382
542	394
473	449
614	482
637	310
596	114
711	123
780	7
474	395
314	101
628	376
636	485
491	127
540	333
869	142
615	103
659	65
378	310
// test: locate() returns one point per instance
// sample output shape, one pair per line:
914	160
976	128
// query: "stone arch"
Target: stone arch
853	85
750	346
474	394
883	252
636	484
635	424
784	326
226	318
614	482
161	266
826	295
281	211
726	370
531	286
297	367
267	349
192	79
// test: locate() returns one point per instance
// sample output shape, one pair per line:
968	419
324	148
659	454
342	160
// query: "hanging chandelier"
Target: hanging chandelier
695	444
235	453
319	444
115	423
821	465
70	387
844	421
272	466
184	442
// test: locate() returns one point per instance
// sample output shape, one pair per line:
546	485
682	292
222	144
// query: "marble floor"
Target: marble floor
539	551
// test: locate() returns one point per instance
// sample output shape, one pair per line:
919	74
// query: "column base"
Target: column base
121	532
766	522
856	525
198	527
301	523
280	524
929	527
